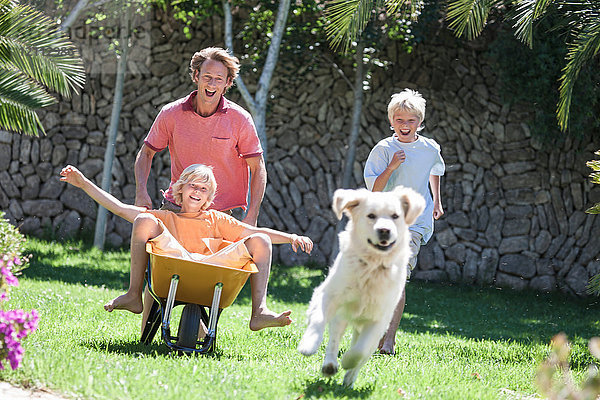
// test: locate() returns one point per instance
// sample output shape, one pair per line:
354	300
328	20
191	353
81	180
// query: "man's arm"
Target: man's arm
434	183
143	162
258	183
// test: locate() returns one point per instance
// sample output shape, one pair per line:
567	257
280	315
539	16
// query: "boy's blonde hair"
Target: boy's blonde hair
196	173
217	54
409	101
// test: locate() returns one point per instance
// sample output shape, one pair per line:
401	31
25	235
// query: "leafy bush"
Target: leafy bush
15	325
11	244
554	377
594	286
595	175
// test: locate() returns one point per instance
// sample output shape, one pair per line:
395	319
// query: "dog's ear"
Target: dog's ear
412	202
346	200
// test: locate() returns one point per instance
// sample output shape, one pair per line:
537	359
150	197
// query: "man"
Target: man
204	127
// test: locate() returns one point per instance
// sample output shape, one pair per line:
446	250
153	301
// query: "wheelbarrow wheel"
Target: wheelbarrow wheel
188	326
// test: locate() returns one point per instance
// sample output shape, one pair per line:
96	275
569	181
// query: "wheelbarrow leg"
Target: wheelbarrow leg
209	342
214	310
169	305
152	323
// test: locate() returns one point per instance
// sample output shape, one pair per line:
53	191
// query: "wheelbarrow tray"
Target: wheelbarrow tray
197	280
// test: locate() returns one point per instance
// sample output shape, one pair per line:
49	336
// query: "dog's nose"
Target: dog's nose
383	233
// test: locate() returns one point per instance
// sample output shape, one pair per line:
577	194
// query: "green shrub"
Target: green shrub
554	376
11	243
594	285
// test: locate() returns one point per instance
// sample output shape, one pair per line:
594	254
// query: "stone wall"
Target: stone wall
514	208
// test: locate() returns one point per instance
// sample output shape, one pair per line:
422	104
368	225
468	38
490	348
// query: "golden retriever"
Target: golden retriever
367	277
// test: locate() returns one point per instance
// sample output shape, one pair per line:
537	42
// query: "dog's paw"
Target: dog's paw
329	369
351	359
350	378
309	344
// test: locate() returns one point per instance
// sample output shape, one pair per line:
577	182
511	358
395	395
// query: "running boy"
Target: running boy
184	234
406	158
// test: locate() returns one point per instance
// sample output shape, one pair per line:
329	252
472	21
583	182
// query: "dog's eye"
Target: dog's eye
371	216
395	216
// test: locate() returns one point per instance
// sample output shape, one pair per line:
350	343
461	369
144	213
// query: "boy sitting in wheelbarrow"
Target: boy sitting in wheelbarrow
183	235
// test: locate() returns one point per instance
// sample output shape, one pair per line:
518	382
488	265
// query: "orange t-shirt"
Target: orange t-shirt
190	228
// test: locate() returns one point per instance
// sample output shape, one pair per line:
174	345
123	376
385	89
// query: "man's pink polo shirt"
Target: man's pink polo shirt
221	141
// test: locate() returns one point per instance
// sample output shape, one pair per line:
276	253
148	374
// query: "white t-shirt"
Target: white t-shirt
423	158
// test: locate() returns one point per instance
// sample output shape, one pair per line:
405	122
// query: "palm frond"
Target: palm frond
595	177
35	56
594	165
34	44
468	17
526	13
16	87
595	209
16	118
584	47
593	286
392	6
347	20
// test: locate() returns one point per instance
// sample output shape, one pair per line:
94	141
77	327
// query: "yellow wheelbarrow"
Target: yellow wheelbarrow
204	290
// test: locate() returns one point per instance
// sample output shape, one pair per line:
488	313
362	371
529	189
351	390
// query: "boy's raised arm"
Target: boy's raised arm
72	175
298	242
381	181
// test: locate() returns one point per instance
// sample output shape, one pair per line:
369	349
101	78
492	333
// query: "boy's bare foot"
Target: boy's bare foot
125	302
269	319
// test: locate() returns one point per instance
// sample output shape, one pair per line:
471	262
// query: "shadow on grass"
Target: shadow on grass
497	314
83	274
135	348
77	263
319	387
157	348
108	345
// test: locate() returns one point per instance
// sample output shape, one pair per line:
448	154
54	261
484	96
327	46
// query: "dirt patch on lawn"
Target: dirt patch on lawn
11	392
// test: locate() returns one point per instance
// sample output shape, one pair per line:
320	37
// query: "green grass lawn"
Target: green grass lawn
454	342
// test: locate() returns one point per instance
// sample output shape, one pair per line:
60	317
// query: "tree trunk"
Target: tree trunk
72	17
356	112
354	131
229	44
109	154
258	103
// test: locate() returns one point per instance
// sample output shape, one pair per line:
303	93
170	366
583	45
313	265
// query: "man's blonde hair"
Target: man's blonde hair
232	63
196	173
409	101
